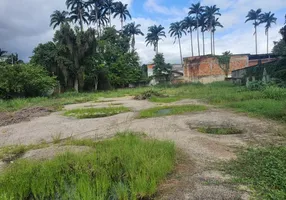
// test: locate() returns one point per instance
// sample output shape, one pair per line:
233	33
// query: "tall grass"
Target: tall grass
126	167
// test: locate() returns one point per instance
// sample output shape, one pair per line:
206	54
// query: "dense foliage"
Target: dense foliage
24	80
162	71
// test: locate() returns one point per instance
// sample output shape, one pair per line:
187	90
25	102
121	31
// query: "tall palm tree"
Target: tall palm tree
215	24
256	17
210	13
78	11
2	53
132	29
189	23
177	30
197	9
58	18
268	19
96	7
98	18
204	28
155	34
121	11
109	7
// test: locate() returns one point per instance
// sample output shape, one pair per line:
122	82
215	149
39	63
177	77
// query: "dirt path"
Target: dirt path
198	179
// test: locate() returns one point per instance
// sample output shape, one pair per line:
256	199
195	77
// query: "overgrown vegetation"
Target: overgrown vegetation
126	167
170	110
24	80
262	169
148	95
95	112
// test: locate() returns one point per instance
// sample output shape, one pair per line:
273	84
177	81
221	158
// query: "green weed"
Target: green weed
263	169
95	112
126	167
170	110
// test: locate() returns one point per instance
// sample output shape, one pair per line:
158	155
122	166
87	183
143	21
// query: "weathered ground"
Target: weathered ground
196	175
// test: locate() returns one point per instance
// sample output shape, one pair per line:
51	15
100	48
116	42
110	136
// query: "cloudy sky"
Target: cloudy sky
25	23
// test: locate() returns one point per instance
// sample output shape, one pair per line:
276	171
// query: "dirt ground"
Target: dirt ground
196	174
7	118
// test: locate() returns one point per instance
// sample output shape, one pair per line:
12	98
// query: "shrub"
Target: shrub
24	80
256	86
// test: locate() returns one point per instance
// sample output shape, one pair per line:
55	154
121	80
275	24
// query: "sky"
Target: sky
25	23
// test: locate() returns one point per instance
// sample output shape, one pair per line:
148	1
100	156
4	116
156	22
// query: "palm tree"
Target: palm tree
109	7
58	18
155	34
204	28
177	30
98	18
269	19
96	9
210	13
283	31
121	11
131	30
215	24
254	16
78	11
188	24
2	53
197	9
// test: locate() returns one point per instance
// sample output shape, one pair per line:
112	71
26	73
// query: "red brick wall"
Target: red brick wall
208	66
263	61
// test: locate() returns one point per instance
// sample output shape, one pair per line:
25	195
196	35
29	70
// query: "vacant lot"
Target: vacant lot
206	123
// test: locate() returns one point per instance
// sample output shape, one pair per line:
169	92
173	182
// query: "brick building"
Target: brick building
206	69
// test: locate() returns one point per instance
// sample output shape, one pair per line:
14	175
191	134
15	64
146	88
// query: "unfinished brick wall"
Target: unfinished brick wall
197	67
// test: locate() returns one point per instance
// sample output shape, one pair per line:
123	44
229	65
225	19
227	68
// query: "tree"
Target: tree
109	7
24	80
121	11
210	13
2	53
177	30
224	62
76	46
133	29
188	24
96	12
98	18
268	19
155	34
162	71
256	17
197	9
204	27
283	31
279	48
14	59
215	24
58	18
78	11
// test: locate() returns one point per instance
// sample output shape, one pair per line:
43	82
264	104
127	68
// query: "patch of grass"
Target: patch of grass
268	108
219	131
9	153
263	169
95	112
56	138
126	167
170	110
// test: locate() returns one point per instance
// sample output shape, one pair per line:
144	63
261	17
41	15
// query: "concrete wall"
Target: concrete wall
206	68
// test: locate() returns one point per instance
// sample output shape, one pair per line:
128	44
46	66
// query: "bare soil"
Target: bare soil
7	118
196	176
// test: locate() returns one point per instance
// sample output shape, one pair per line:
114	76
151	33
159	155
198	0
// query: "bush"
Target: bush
24	80
256	86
